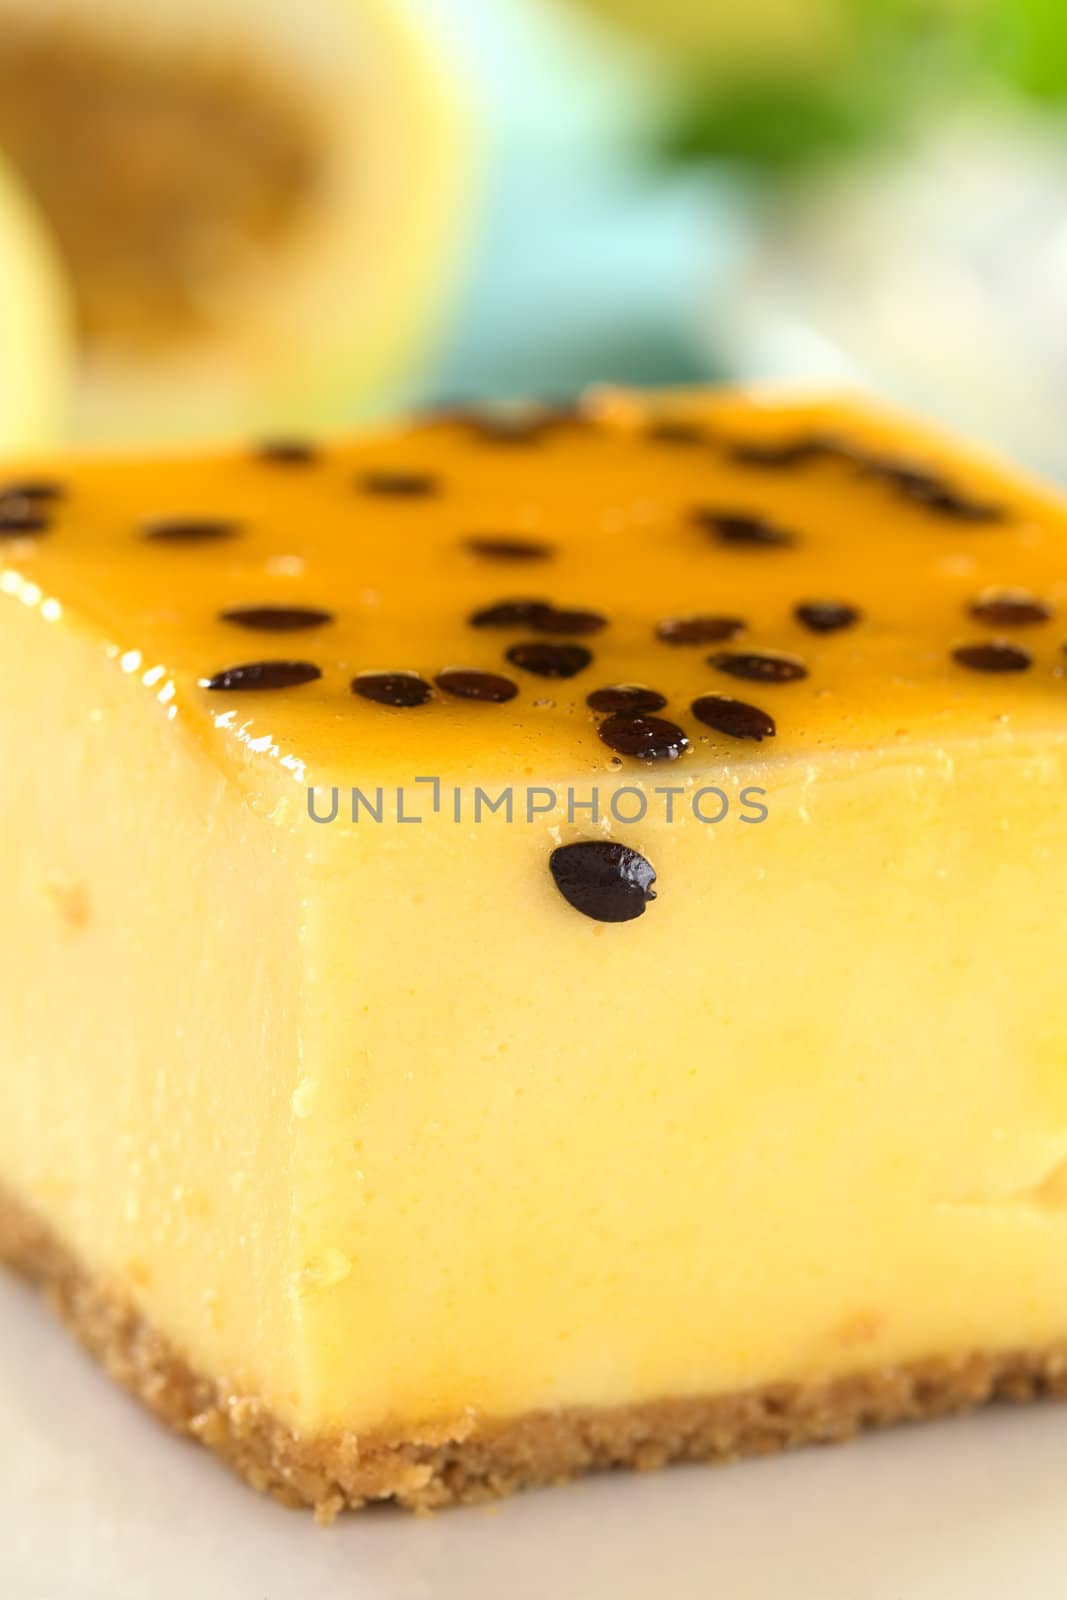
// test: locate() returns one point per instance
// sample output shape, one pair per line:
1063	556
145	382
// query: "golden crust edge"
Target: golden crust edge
478	1459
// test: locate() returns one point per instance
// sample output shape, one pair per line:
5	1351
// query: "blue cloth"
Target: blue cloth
589	262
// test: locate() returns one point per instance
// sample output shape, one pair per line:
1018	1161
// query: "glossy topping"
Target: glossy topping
871	583
605	881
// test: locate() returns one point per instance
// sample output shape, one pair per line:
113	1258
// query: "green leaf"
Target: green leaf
1025	41
778	124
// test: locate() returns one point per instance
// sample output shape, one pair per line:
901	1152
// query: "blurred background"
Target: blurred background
225	217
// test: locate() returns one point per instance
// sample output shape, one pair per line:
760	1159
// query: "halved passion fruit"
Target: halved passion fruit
35	326
258	206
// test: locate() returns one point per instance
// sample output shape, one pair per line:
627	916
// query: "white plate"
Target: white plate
98	1503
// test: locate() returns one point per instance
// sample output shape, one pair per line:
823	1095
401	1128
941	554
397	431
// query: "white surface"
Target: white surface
936	275
98	1503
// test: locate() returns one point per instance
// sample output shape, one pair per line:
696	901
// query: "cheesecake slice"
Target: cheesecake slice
534	941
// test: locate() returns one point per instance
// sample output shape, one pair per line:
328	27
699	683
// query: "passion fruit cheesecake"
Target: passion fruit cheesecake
534	938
